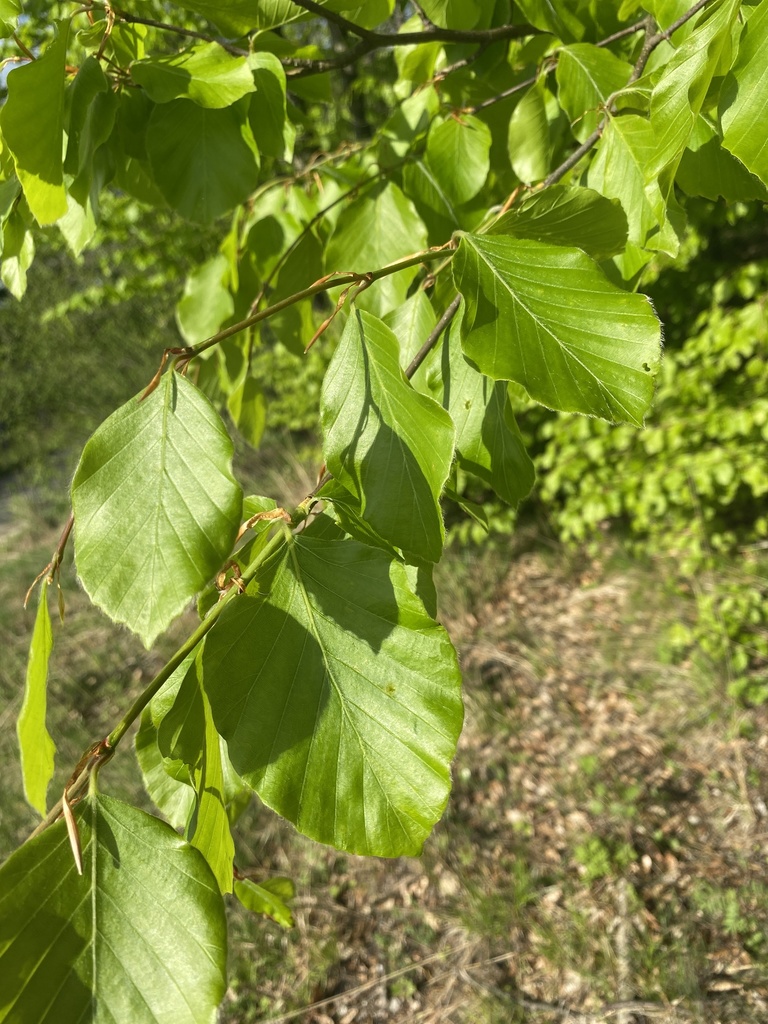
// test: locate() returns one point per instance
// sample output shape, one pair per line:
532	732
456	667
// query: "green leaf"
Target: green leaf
488	440
167	782
18	253
267	897
373	231
140	937
744	99
204	161
9	13
411	324
89	83
570	216
206	302
208	829
248	408
272	130
586	76
679	93
528	139
619	172
458	153
546	317
156	506
343	707
205	74
386	443
35	743
456	14
181	730
36	97
553	16
433	203
236	17
709	170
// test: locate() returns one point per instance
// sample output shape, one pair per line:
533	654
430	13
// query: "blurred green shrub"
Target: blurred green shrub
692	486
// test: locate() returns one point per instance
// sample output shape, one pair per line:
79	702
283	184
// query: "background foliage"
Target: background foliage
372	161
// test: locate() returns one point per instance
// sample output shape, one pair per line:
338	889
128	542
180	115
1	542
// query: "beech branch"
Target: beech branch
652	40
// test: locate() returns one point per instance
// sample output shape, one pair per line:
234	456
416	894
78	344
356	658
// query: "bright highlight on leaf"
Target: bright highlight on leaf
156	506
338	696
35	743
36	97
547	318
140	937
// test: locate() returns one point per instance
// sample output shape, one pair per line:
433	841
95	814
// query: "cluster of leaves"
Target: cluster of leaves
489	190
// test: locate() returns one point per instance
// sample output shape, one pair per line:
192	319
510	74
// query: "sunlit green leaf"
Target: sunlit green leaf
206	302
452	13
385	442
619	172
209	830
373	231
528	136
546	317
206	74
156	506
35	743
36	98
140	937
267	897
342	709
248	408
586	76
678	95
458	154
744	99
18	253
571	216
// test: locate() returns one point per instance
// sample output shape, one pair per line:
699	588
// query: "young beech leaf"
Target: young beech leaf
458	152
744	99
156	506
568	215
385	442
208	829
140	937
206	74
338	696
547	317
267	897
36	98
36	746
488	441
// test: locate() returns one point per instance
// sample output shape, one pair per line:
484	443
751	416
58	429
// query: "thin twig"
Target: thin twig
433	337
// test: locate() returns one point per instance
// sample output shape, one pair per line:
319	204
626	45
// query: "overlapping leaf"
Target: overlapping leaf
678	95
35	743
36	98
586	76
744	99
488	441
546	317
156	506
338	696
568	215
204	161
385	442
376	230
206	74
458	154
141	936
